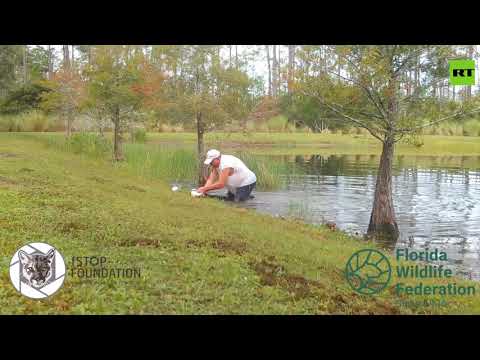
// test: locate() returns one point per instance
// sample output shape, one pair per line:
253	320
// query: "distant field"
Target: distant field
301	143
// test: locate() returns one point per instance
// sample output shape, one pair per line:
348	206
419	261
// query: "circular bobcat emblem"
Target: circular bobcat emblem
37	270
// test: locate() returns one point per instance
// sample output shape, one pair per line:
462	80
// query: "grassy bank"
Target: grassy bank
304	143
197	256
156	161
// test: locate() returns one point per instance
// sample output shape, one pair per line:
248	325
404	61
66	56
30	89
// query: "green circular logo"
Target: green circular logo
368	271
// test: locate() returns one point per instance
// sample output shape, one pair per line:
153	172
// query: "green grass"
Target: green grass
157	161
161	162
277	123
197	256
139	136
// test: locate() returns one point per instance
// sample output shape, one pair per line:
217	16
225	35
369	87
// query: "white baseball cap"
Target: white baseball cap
211	155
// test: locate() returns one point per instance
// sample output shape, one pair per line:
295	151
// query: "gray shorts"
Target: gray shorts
241	193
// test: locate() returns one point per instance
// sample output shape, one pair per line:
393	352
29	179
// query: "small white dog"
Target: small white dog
195	193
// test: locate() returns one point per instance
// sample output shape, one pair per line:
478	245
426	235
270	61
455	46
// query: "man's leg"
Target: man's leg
243	193
230	196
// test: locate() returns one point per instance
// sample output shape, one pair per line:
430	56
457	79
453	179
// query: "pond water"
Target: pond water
437	200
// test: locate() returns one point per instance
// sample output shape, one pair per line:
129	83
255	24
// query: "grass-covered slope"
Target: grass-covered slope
197	256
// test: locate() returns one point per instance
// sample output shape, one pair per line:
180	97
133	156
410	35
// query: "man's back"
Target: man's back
241	176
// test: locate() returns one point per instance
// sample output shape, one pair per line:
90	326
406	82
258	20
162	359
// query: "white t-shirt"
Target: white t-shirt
242	175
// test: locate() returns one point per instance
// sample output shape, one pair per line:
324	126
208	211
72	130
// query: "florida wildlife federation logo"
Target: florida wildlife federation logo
368	271
37	270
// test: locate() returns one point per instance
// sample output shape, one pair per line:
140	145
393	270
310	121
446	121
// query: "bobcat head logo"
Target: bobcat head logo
37	269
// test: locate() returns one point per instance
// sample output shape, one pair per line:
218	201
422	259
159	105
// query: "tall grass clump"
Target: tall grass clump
268	171
139	135
89	144
11	123
161	162
277	123
471	127
157	161
31	121
291	128
35	121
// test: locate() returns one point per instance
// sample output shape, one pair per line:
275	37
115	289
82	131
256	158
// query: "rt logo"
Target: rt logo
368	271
462	72
37	270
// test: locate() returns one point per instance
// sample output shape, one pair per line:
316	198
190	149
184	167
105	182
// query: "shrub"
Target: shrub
11	123
139	135
250	125
291	128
304	129
277	123
471	128
34	121
261	126
89	144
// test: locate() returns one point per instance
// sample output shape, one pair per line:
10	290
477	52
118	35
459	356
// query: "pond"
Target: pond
437	200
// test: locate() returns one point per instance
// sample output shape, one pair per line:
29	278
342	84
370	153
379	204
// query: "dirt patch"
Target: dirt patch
98	179
235	247
140	242
386	308
272	274
134	188
69	227
6	181
25	170
8	155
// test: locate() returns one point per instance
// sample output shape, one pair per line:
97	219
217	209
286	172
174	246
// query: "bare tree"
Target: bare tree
66	57
50	63
291	67
267	48
381	113
25	72
274	71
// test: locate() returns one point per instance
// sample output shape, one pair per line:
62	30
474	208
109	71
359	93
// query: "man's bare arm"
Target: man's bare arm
212	177
220	183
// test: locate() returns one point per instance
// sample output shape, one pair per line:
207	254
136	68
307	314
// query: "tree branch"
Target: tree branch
355	121
379	105
462	112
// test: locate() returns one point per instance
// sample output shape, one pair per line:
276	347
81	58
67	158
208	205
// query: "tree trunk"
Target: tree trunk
291	67
468	91
69	124
274	72
279	70
73	56
267	48
25	50
236	56
382	220
117	137
50	63
202	169
66	57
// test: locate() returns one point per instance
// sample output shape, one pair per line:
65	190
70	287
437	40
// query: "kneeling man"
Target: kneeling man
230	172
